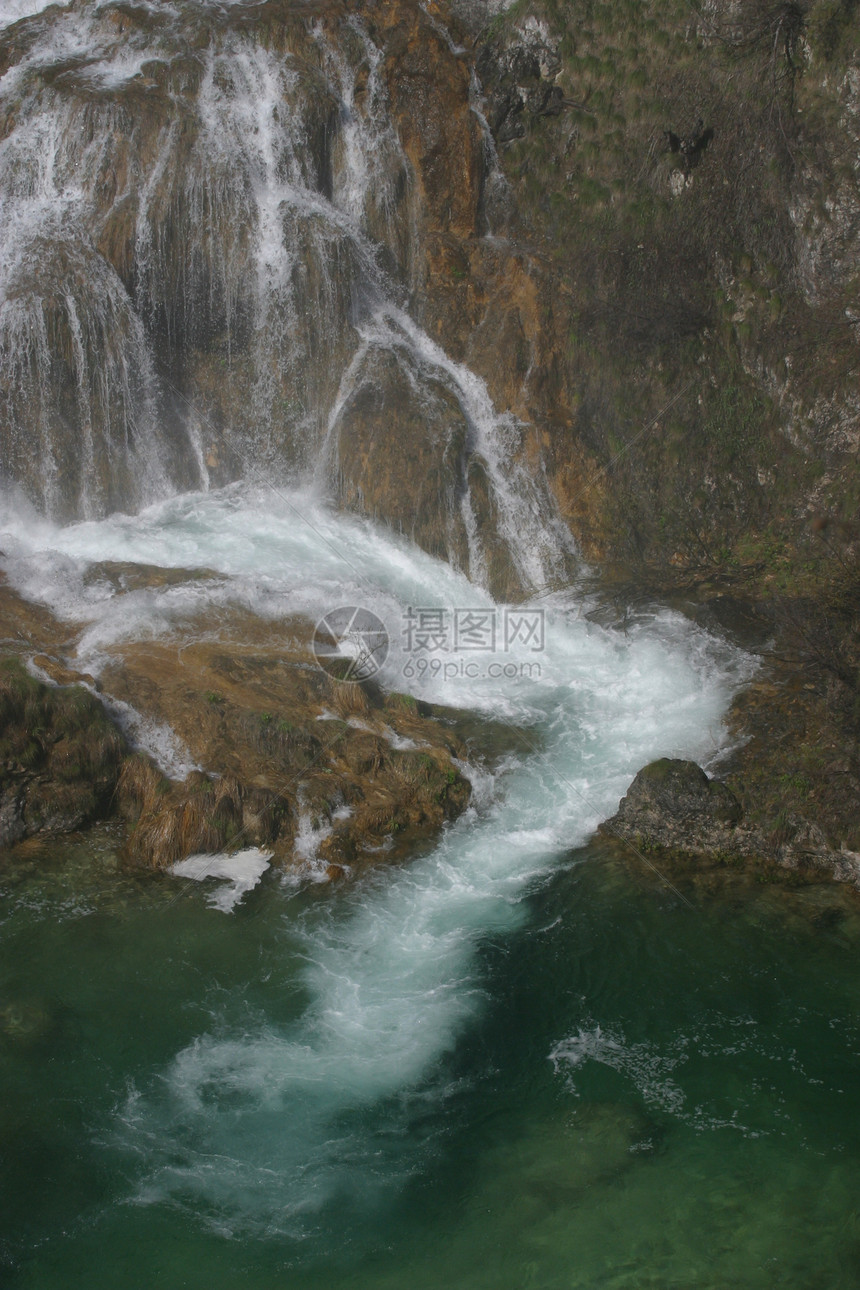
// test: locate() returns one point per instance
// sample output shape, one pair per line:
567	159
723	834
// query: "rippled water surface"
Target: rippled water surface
641	1093
510	1062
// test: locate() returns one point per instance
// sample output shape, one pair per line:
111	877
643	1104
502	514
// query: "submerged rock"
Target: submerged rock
557	1160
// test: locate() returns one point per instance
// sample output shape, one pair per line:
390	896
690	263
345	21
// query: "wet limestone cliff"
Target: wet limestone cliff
498	275
229	238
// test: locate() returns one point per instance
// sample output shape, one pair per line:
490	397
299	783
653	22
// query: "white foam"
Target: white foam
240	873
155	738
15	10
310	834
391	975
650	1068
647	1068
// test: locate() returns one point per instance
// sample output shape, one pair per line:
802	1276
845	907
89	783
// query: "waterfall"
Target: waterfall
211	235
213	315
534	540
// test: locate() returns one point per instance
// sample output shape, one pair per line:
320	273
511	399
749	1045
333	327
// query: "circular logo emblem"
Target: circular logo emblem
350	643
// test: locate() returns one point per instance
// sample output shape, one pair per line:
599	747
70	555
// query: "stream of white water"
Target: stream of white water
501	1064
267	1126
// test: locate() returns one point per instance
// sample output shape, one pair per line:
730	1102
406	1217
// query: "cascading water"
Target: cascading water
210	234
209	251
266	1127
535	540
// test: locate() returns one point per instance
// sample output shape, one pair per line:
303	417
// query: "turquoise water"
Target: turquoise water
511	1062
645	1093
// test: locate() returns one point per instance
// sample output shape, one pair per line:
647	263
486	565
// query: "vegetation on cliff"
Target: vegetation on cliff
686	180
60	756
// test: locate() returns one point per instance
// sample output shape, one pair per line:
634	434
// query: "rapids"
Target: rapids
500	1064
268	1125
211	247
477	1068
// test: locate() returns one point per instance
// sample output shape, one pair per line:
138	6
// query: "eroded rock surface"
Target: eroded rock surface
673	808
235	203
60	757
330	776
315	768
673	794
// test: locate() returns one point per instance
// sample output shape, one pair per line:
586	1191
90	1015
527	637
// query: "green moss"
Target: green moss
657	772
735	422
402	702
832	29
31	755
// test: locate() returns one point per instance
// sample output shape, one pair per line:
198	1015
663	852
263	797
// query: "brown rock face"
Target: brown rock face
293	748
401	449
284	749
428	87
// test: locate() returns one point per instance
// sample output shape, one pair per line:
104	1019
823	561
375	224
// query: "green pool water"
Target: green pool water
645	1093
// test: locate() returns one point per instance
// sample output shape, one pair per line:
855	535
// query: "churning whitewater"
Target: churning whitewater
264	1126
262	239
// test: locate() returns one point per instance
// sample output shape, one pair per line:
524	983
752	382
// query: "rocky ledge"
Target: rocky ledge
267	750
674	809
60	757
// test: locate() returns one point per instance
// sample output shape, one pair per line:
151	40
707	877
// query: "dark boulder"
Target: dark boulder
673	804
680	791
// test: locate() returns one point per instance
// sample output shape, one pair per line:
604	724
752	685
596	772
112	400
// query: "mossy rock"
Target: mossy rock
60	756
679	790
